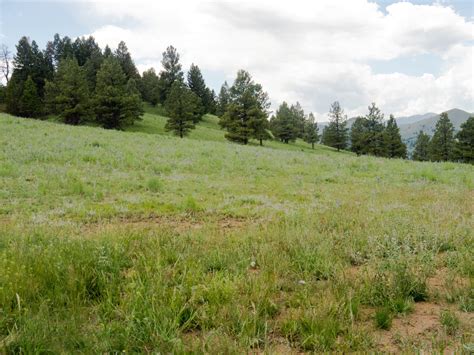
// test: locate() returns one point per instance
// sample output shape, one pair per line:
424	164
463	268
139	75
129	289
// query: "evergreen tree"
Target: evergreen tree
465	142
3	93
181	108
91	67
62	48
68	94
223	100
13	94
171	72
335	134
394	147
283	124
374	141
48	59
112	103
29	62
422	146
442	143
299	118
359	132
246	114
197	85
108	52
83	49
213	102
260	127
24	59
150	86
132	103
311	131
30	102
125	59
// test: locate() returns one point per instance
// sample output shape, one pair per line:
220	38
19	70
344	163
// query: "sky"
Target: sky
409	57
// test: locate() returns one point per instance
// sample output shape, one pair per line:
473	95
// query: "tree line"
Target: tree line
444	145
79	82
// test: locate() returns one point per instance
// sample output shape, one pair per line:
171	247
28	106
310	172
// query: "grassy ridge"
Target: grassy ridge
140	241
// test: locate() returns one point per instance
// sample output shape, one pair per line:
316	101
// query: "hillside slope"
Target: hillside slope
143	242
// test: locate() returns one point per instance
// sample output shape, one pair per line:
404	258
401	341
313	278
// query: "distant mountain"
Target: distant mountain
414	118
350	122
410	131
411	125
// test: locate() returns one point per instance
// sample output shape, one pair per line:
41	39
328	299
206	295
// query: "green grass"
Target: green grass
449	321
139	241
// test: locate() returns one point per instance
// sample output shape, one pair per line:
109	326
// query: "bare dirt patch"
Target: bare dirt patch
353	272
179	224
421	329
443	282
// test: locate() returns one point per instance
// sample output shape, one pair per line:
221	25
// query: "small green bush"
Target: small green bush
154	185
383	318
450	322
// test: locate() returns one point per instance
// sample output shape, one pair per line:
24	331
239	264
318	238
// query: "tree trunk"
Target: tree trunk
261	141
312	145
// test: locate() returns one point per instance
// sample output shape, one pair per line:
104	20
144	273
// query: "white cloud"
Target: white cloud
312	51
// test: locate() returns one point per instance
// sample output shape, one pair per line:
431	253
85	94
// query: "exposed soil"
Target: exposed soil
442	282
178	224
422	329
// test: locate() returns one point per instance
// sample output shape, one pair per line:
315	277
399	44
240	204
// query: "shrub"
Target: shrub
383	318
154	185
449	321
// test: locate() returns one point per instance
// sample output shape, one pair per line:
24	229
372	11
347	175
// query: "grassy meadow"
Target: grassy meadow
139	241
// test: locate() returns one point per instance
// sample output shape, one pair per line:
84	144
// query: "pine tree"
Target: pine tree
197	85
23	60
223	100
213	102
108	52
171	72
335	134
247	112
181	108
374	142
422	146
299	118
311	131
29	62
62	48
3	93
442	143
359	132
30	102
85	48
150	86
465	142
13	94
112	103
68	95
132	103
283	124
125	59
394	147
259	125
91	67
